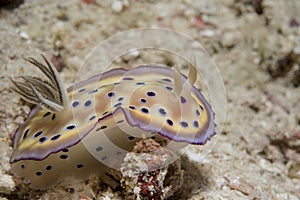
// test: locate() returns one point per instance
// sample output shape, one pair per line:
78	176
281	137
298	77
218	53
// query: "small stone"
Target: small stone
24	35
237	183
207	33
231	39
7	185
131	55
134	53
117	6
294	170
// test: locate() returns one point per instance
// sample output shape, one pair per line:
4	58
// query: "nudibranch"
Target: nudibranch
78	132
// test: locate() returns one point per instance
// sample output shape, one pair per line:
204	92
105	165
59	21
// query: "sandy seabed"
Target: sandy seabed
254	43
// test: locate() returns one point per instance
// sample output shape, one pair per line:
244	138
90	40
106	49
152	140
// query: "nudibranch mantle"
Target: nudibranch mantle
116	108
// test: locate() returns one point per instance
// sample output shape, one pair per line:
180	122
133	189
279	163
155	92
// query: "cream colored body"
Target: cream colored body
113	111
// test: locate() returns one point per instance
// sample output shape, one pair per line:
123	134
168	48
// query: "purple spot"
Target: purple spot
127	79
81	90
169	88
38	173
70	127
49	167
197	112
145	110
92	117
101	128
38	134
117	105
23	166
53	117
196	124
63	156
93	91
104	158
88	103
55	137
130	137
110	94
143	100
75	104
79	166
151	94
43	139
182	99
162	111
184	124
201	107
99	148
170	122
26	133
46	114
132	107
140	83
120	99
166	80
105	113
